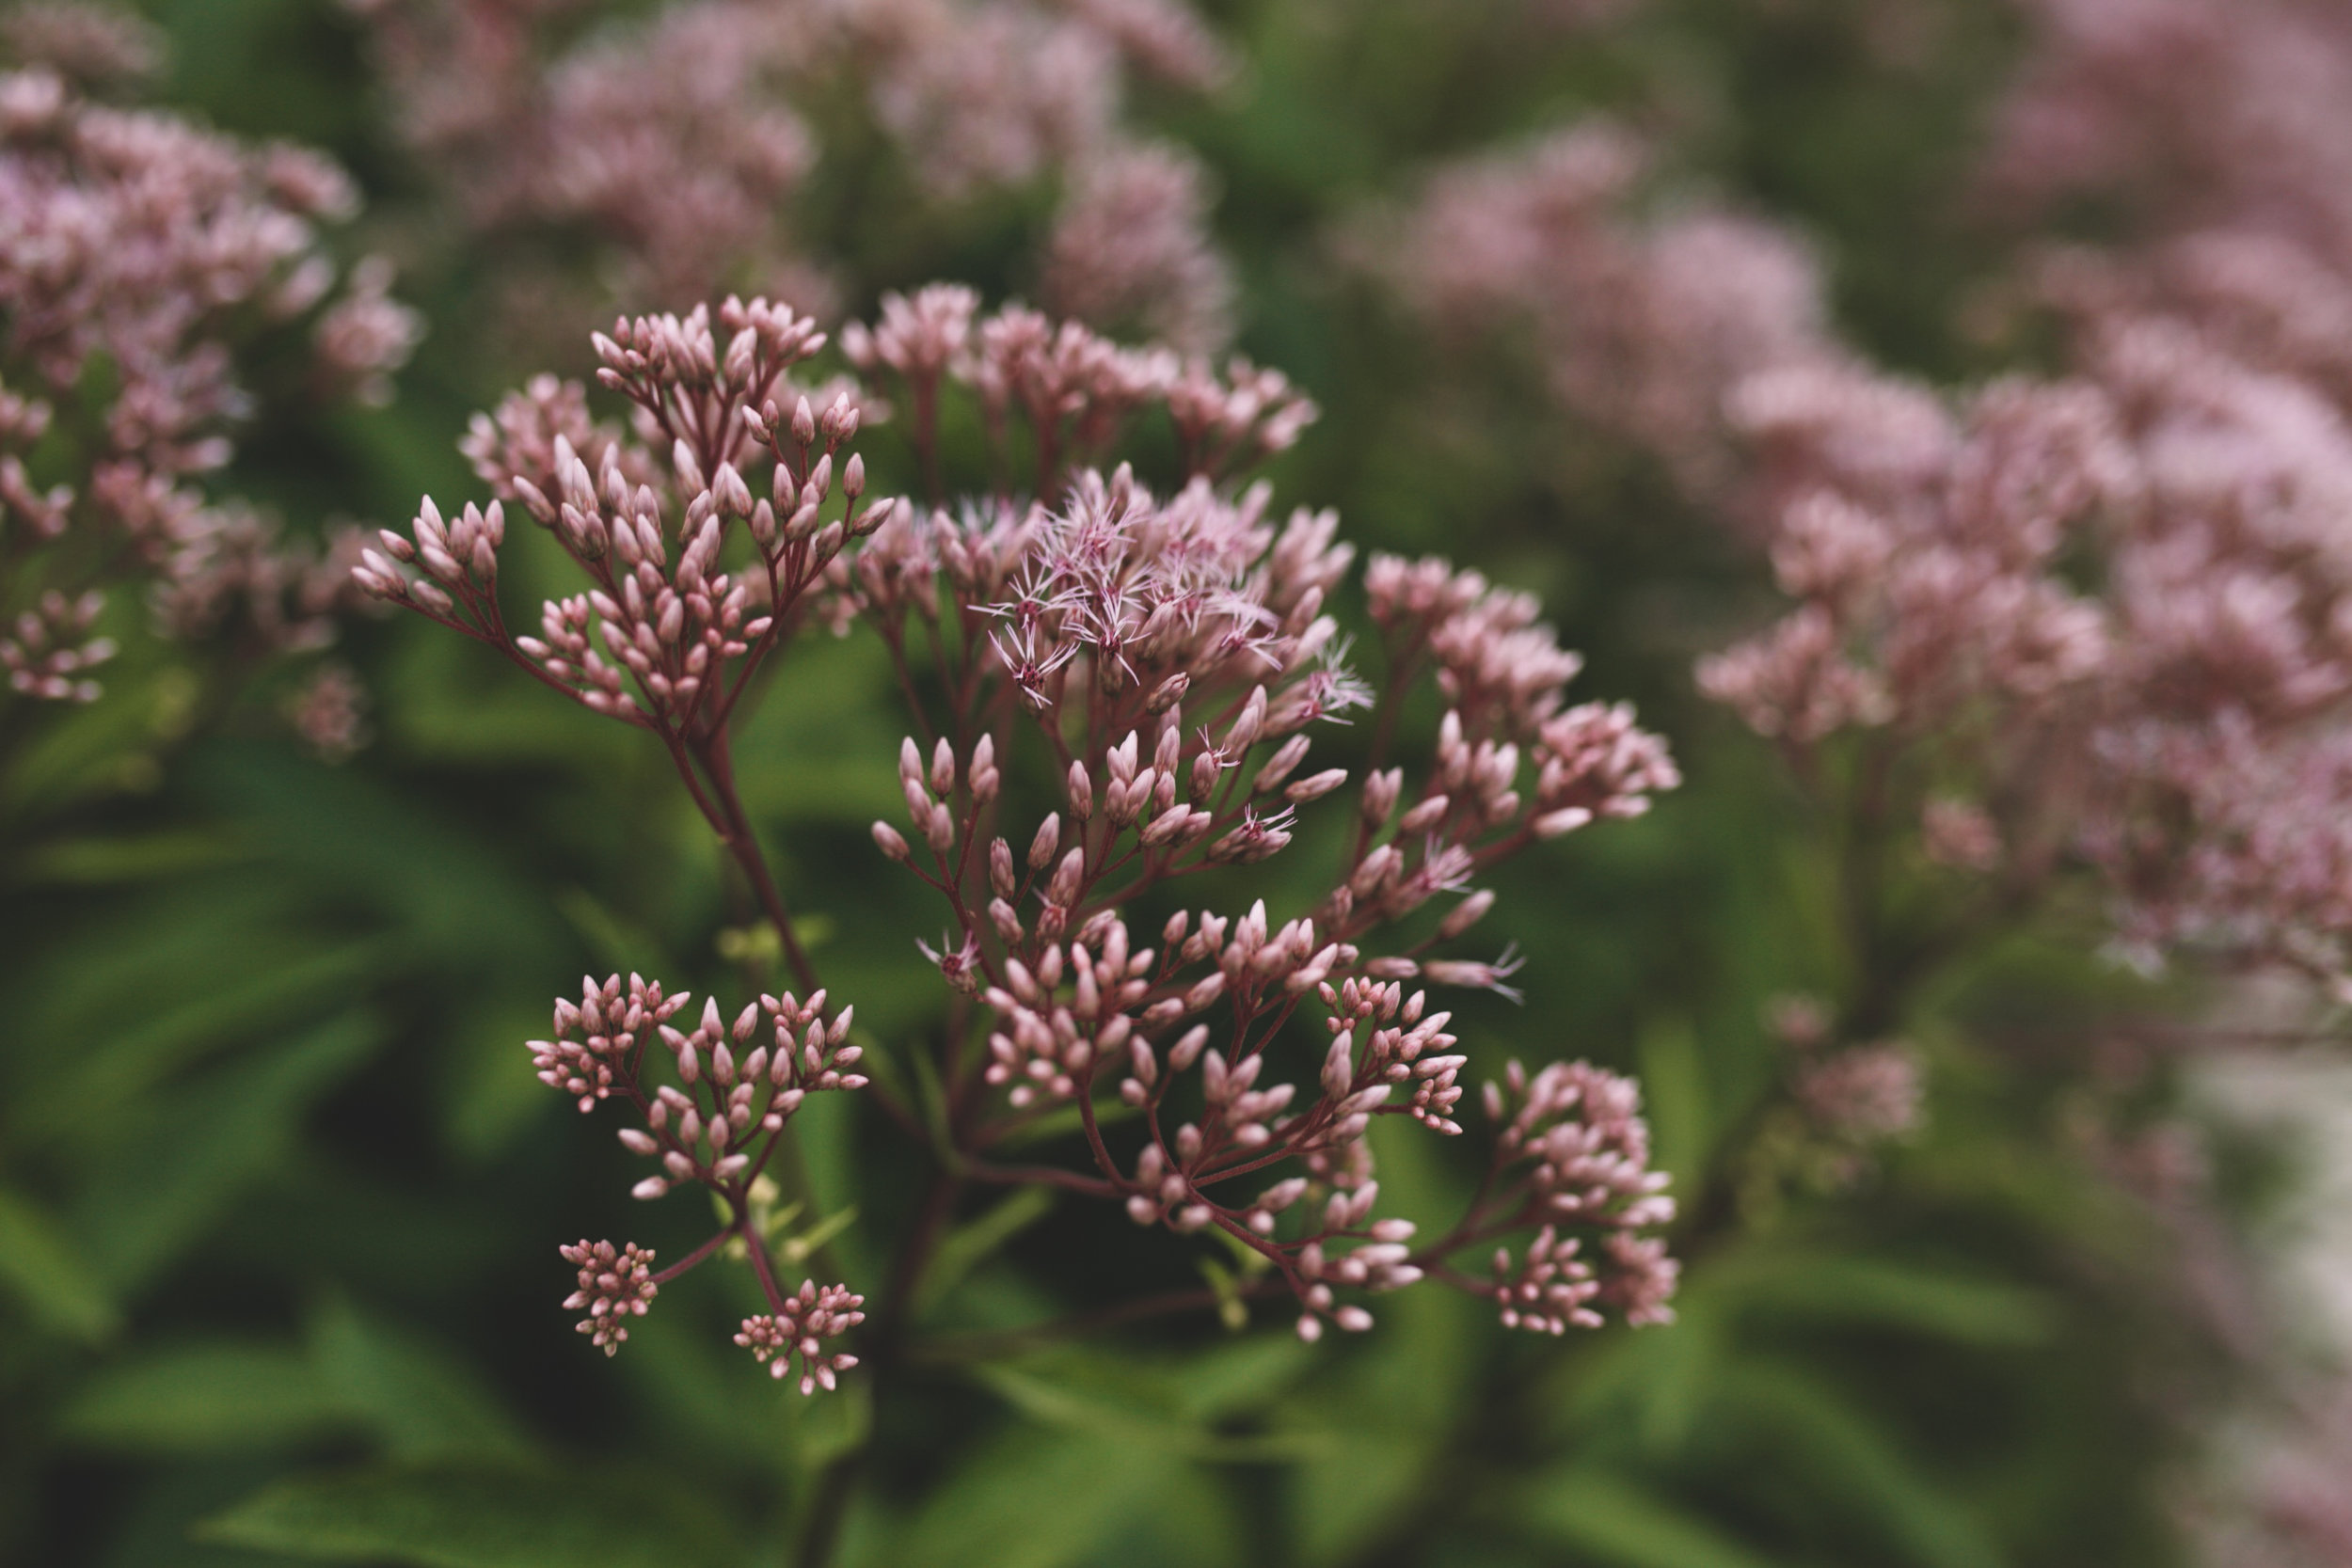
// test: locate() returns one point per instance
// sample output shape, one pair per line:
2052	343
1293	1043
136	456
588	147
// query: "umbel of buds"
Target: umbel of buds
797	1332
1166	658
715	1125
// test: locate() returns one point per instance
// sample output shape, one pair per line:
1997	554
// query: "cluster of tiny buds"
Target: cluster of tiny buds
1379	1262
601	1043
1046	1043
799	1328
590	1068
660	614
615	1286
1392	1054
458	562
1582	1127
47	651
1553	1291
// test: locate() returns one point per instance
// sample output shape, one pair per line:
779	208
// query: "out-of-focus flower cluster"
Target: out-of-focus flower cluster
2174	720
92	45
1166	659
2113	609
1641	315
136	240
686	139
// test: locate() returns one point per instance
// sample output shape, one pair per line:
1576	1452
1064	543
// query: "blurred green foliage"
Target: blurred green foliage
279	1197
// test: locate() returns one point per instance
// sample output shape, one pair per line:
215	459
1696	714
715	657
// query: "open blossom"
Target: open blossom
1167	659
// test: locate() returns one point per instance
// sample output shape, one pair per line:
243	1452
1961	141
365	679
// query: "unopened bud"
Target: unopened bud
1316	786
1466	915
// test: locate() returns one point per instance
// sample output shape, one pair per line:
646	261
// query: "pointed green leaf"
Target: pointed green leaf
223	1133
971	1243
459	1515
202	1398
44	1269
416	1397
1805	1421
1614	1521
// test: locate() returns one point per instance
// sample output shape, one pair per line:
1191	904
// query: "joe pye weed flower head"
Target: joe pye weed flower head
1115	694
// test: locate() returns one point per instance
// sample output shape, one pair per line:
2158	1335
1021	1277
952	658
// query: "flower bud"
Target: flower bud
1466	915
1316	785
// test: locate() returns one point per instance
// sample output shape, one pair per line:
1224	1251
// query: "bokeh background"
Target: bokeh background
279	1197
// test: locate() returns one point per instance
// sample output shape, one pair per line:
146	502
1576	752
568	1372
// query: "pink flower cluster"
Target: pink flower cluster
1119	616
136	239
1070	391
2111	612
1864	1094
684	138
2174	720
2098	109
799	1328
1130	248
1164	658
1579	1130
1641	321
716	1127
615	1286
89	44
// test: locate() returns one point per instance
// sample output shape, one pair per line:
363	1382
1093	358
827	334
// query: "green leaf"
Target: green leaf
1135	1422
202	1398
1969	1309
417	1397
357	837
1682	1364
241	1002
1244	1374
130	858
493	1093
969	1243
1031	1499
1799	1417
162	1192
1673	1092
482	1516
619	946
1613	1520
43	1269
1344	1499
